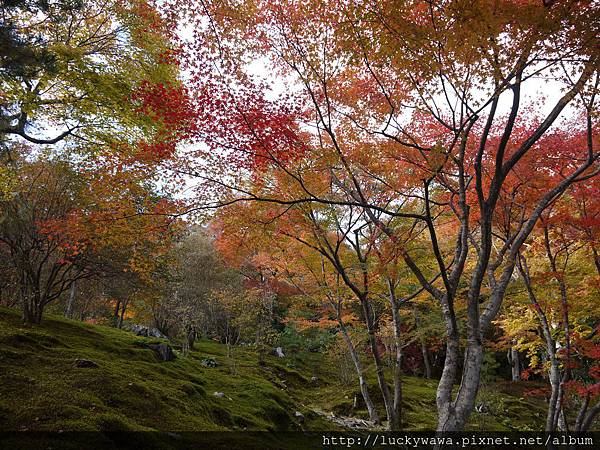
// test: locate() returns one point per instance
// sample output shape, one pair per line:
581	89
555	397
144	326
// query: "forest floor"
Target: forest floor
42	390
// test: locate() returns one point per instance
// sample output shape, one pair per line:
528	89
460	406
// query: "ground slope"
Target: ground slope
131	389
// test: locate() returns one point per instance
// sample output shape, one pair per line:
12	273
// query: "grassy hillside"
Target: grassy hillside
131	389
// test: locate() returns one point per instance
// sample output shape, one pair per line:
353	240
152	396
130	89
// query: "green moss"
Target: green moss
41	389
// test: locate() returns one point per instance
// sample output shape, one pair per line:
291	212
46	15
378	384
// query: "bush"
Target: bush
314	339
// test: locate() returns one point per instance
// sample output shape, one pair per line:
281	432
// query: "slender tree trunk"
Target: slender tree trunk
32	305
445	405
398	375
191	337
596	255
554	378
393	423
426	359
32	313
398	354
424	349
559	421
589	418
554	371
581	414
364	388
71	301
26	310
586	415
122	316
116	312
227	339
28	313
513	360
563	424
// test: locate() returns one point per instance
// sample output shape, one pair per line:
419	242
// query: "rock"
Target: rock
154	332
164	352
138	330
218	394
142	330
481	408
174	435
299	416
278	351
353	423
84	363
209	362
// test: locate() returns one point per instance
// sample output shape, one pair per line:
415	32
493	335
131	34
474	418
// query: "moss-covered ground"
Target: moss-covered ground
131	390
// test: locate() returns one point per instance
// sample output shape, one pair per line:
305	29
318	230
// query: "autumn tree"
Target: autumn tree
293	258
94	86
60	226
557	271
42	264
194	272
407	110
333	254
74	65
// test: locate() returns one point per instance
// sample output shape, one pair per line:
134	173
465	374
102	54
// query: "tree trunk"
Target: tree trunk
227	339
589	418
191	337
453	415
554	403
116	312
596	255
445	405
469	384
122	316
185	347
554	379
398	355
563	425
71	301
32	305
513	360
32	313
426	359
424	349
364	388
393	422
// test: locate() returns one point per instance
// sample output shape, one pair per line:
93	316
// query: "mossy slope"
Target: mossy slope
131	390
41	389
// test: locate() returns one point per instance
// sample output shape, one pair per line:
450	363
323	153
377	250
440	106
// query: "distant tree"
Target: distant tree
59	228
45	267
195	270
